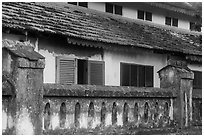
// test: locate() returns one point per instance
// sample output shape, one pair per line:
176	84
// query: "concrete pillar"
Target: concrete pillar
27	73
179	78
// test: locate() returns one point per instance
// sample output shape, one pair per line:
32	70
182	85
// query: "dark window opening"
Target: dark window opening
114	114
192	26
148	16
175	22
62	114
82	71
136	75
156	114
109	8
118	10
197	82
140	14
73	3
83	4
168	21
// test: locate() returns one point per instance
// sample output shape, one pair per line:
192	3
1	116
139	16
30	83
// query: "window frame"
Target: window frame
141	12
120	8
138	78
109	6
147	17
83	4
169	21
75	67
197	85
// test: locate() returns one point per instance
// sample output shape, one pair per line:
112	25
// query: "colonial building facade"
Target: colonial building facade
116	44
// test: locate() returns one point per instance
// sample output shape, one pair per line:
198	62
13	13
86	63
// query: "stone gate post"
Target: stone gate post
179	78
26	67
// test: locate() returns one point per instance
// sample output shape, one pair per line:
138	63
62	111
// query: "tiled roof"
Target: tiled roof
73	21
180	7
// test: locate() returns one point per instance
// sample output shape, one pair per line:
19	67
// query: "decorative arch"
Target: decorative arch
146	112
47	116
103	113
62	114
114	113
125	113
77	114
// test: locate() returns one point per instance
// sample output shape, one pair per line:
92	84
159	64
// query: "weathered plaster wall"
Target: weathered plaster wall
197	67
84	122
50	48
8	115
113	59
129	109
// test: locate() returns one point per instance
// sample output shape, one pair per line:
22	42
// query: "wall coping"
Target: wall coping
105	91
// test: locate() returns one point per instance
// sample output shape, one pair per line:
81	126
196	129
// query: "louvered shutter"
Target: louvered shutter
66	70
96	73
149	76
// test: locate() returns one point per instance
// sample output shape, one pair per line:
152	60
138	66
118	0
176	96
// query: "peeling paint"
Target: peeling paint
24	119
55	121
4	120
171	109
10	121
108	119
119	119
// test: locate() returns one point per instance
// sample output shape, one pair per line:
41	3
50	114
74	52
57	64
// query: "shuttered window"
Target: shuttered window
73	71
136	75
96	72
66	70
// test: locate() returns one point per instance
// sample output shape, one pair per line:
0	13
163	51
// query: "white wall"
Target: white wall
130	13
158	19
113	60
184	24
50	49
100	6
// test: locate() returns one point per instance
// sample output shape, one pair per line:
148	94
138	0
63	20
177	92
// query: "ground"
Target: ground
128	131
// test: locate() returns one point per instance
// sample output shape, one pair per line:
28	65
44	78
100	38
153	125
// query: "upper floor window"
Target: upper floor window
171	21
115	9
136	75
79	71
197	82
82	4
192	26
144	15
